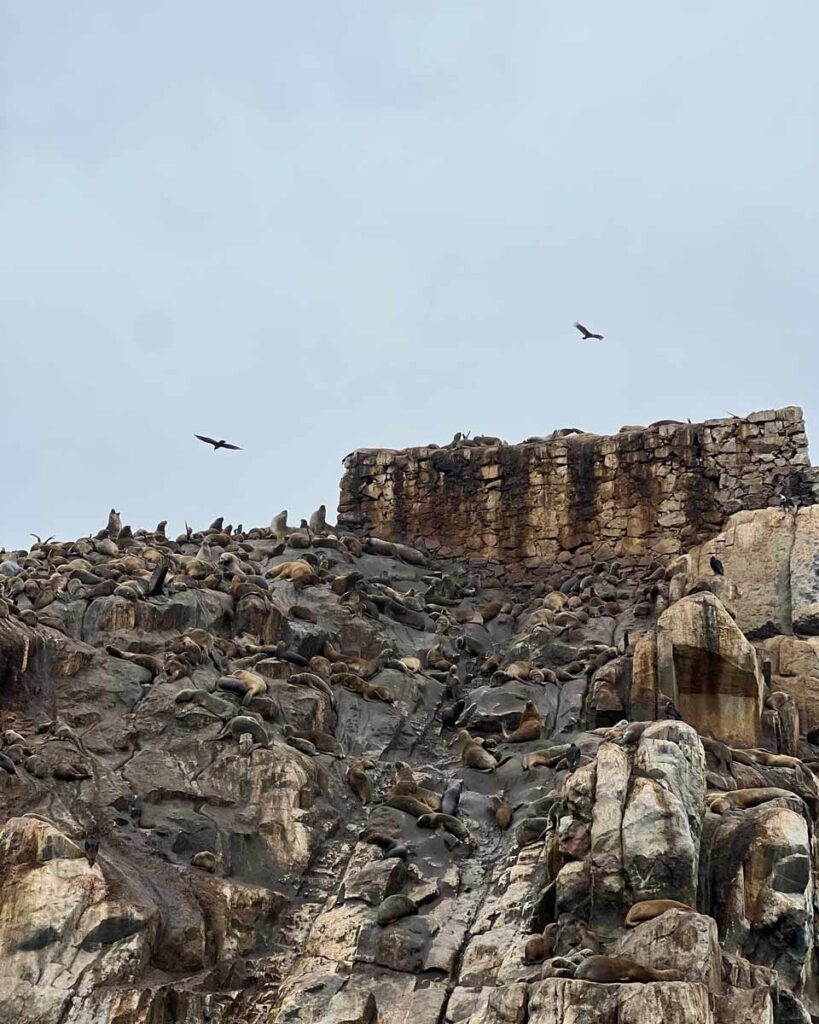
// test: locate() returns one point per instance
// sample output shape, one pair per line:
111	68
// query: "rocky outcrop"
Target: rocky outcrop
575	497
332	778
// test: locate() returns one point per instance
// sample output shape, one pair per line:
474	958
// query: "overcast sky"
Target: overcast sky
309	228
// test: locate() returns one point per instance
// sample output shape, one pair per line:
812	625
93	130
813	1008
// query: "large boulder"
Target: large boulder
709	669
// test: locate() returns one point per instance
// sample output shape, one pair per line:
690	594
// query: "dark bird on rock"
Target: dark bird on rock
716	565
92	848
786	503
573	756
672	712
587	334
218	444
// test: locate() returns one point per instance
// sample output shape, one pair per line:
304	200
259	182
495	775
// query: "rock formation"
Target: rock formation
224	756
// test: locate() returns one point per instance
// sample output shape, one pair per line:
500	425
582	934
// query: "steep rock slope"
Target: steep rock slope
259	730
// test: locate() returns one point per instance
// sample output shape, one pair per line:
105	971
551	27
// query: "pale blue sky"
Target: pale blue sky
314	227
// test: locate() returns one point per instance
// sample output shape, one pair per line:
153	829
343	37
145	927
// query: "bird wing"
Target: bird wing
233	447
207	440
583	330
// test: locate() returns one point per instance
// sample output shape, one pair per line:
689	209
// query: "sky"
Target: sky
309	228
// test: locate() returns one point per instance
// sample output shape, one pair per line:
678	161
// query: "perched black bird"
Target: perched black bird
573	756
786	503
218	444
587	334
672	712
451	713
92	848
717	565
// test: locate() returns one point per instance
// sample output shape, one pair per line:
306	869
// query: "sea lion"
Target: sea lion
302	745
65	732
356	684
7	765
91	847
278	526
407	804
405	785
531	830
243	724
114	523
632	733
647	910
549	757
315	681
765	758
446	822
300	573
318	520
503	813
358	781
393	908
36	766
452	798
147	661
540	947
209	701
745	798
320	666
450	714
322	741
473	754
612	969
529	727
205	860
255	685
68	772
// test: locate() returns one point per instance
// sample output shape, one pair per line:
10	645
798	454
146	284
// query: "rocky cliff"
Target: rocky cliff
394	771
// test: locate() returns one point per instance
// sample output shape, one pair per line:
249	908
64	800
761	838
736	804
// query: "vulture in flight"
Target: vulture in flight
218	444
587	334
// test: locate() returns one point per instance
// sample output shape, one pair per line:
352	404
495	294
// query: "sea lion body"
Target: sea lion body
209	701
408	804
446	822
503	813
393	908
358	781
473	754
530	726
607	970
766	758
540	947
322	741
647	910
315	681
255	684
745	798
243	724
452	798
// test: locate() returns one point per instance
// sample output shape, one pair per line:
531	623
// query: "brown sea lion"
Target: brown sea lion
358	781
529	727
393	908
315	681
503	813
540	947
608	970
242	724
473	754
322	741
647	910
300	573
744	798
446	822
766	758
408	804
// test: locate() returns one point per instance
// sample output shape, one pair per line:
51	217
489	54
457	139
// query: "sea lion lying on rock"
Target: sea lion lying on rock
393	908
242	724
647	910
608	970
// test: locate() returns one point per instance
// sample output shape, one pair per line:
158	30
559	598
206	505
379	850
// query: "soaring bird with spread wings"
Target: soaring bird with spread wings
587	334
218	444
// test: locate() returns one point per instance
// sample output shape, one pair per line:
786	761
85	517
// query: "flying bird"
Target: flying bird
717	565
587	334
218	444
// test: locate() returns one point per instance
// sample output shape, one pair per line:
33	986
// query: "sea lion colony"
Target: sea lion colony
336	734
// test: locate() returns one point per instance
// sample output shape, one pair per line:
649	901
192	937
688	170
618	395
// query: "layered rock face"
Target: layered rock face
294	776
577	497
